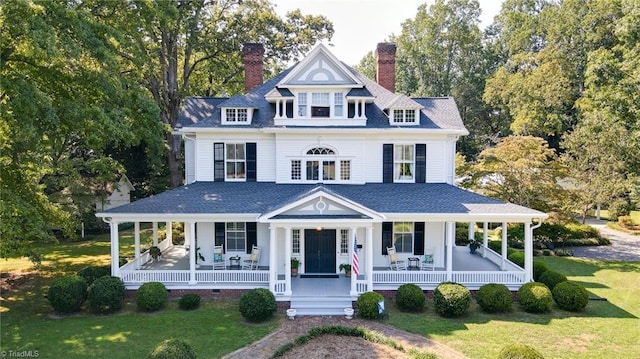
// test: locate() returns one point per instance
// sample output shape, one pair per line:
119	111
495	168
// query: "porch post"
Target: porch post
450	230
169	230
273	259
472	230
354	278
115	249
485	238
192	253
369	251
528	252
155	234
287	263
136	245
504	245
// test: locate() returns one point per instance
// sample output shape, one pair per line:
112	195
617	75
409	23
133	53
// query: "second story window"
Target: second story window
235	161
407	117
236	114
403	163
302	104
320	106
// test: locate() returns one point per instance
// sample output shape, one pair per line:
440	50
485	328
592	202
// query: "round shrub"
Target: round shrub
517	258
451	299
173	349
66	294
106	295
257	304
535	297
91	273
151	296
519	351
538	269
410	297
367	304
570	296
551	278
494	298
189	301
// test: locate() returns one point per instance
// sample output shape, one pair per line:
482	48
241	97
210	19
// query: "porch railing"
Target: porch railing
502	277
164	276
232	276
496	258
401	277
280	287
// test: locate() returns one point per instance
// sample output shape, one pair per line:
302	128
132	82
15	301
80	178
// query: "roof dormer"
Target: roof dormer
236	115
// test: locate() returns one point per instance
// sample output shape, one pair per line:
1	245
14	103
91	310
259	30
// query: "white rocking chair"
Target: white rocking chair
252	262
428	261
394	262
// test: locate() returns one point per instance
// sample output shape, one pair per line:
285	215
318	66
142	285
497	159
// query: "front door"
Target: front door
320	251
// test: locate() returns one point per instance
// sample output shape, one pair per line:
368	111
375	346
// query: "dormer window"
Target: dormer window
320	104
403	117
236	116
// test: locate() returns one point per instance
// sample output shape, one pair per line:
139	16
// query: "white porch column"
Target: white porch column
155	234
450	235
169	230
136	244
472	230
273	260
504	245
485	238
192	252
354	278
369	251
287	264
528	252
115	249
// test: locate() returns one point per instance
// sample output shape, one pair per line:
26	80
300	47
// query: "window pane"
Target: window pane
403	237
302	104
328	170
345	170
295	236
317	111
338	104
236	236
344	241
242	115
320	98
410	116
398	116
231	114
296	171
312	170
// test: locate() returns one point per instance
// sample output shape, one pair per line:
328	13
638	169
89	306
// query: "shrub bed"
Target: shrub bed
570	296
151	296
91	273
410	297
189	301
494	298
367	305
451	299
257	305
173	349
519	351
66	294
517	258
551	278
538	269
106	295
535	297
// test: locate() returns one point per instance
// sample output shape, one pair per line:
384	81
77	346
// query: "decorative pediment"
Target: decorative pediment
320	67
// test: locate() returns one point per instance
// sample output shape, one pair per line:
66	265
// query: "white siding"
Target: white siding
189	161
206	241
436	162
434	238
266	160
204	160
372	161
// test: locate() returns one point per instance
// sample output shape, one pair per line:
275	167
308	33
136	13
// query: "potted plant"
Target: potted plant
154	252
199	256
346	268
474	244
295	263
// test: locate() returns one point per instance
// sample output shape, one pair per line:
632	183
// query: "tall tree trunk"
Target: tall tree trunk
175	160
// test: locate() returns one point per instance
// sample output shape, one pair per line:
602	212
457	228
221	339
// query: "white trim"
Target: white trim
309	58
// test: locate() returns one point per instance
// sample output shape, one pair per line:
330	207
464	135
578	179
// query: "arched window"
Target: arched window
321	151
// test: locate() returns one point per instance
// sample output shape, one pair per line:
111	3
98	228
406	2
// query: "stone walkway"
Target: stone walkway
292	329
624	246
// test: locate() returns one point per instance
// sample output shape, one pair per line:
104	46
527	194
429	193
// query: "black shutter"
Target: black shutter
418	238
251	162
218	162
421	163
219	235
387	164
387	236
252	236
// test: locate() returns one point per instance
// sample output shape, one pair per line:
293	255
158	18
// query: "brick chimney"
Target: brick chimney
253	63
386	65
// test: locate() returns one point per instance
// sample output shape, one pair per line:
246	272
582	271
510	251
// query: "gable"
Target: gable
320	68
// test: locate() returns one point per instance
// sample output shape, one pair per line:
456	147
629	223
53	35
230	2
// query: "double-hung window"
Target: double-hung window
338	104
235	161
320	106
295	241
403	237
344	242
302	104
403	163
236	236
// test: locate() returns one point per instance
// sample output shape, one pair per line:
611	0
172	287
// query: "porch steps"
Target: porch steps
320	305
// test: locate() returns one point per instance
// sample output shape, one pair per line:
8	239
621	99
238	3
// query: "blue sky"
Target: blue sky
361	24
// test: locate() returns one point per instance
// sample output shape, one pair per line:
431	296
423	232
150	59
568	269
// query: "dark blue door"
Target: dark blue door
319	251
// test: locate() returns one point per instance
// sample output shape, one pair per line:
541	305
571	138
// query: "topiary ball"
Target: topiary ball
410	297
66	294
517	258
367	305
570	296
189	301
91	273
258	304
173	349
538	269
151	296
535	297
106	295
519	351
494	298
551	278
451	299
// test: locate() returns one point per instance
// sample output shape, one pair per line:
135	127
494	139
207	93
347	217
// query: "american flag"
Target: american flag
355	264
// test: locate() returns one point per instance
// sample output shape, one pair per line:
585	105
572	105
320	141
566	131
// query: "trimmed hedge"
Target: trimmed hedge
451	299
91	273
552	278
410	297
367	305
106	295
535	297
519	351
173	349
517	258
151	296
494	298
538	269
258	305
189	301
66	294
570	296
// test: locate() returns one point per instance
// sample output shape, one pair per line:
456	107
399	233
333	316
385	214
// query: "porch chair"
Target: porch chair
428	260
394	262
252	262
218	258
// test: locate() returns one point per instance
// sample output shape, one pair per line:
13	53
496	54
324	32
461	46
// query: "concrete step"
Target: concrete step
320	306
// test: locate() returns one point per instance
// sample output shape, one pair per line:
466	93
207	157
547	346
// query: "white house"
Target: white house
307	164
117	194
